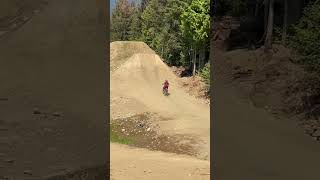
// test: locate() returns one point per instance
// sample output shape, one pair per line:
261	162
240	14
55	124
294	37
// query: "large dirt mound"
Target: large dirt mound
136	87
122	50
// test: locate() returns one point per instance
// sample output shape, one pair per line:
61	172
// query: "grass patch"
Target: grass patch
118	137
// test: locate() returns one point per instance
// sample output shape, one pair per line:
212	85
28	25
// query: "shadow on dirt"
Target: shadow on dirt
14	14
91	173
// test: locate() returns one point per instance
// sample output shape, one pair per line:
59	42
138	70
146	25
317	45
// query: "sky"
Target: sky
112	4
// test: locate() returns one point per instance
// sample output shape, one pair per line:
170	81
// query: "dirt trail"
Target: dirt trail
252	143
143	164
53	91
136	87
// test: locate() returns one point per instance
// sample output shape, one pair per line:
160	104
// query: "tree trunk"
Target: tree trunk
162	52
266	12
194	62
285	22
268	41
202	57
190	56
200	60
256	11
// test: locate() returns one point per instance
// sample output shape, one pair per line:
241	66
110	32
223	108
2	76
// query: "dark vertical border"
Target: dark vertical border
212	95
45	87
107	30
104	19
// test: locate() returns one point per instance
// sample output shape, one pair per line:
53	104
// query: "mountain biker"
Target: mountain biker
166	85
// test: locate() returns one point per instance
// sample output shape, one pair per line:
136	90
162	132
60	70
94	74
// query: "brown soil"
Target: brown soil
130	163
193	85
274	82
121	51
179	123
49	120
196	87
250	141
90	173
15	13
136	88
140	130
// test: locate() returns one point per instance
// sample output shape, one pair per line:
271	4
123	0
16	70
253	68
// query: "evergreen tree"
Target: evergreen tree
135	33
195	26
153	24
171	32
120	21
306	36
170	27
144	4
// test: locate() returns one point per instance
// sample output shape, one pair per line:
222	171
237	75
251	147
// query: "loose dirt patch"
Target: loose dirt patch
138	131
196	88
15	13
275	84
90	173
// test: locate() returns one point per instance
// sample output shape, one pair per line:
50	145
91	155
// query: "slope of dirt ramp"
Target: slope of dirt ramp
136	87
143	74
120	51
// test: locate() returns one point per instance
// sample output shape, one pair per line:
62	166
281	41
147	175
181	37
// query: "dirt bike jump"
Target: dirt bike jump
137	75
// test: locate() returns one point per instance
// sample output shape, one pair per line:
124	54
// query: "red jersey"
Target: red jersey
166	84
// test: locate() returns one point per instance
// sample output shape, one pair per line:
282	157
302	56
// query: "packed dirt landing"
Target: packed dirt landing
136	87
129	163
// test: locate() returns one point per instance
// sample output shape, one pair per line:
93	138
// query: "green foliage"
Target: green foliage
195	28
159	24
277	33
161	28
120	21
185	58
205	74
172	35
135	25
195	22
153	24
306	36
117	137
